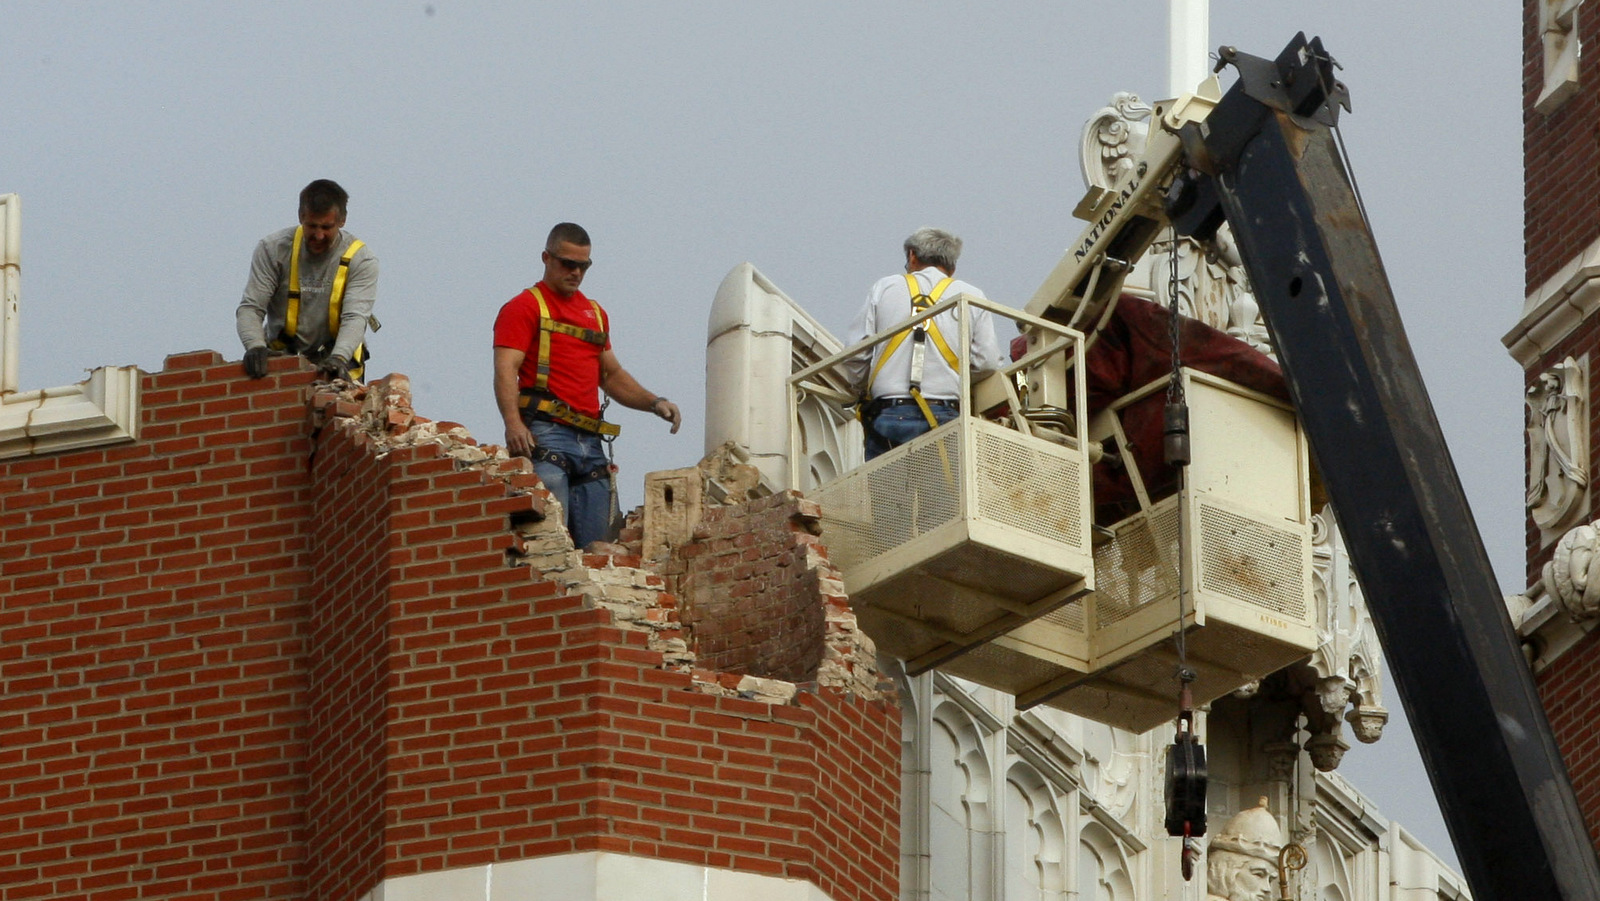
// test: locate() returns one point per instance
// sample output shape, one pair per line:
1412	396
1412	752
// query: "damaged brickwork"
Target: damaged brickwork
763	613
260	653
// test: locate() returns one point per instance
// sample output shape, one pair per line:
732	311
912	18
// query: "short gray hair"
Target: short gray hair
935	247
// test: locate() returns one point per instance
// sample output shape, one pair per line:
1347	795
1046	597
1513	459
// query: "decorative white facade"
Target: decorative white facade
1006	804
102	409
1558	446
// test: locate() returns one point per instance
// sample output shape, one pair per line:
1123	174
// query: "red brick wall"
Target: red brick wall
524	723
749	594
1561	159
230	669
349	565
1572	705
153	650
1561	154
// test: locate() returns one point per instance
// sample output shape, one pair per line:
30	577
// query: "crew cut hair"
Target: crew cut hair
935	247
323	195
570	232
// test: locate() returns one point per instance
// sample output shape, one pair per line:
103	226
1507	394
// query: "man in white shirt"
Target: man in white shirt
904	402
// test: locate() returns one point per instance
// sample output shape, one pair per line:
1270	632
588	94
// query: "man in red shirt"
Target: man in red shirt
552	357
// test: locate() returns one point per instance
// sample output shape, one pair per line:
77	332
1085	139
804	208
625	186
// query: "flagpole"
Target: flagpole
1188	37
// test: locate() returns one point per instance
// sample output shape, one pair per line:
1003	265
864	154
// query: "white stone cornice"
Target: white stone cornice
592	876
1554	309
102	409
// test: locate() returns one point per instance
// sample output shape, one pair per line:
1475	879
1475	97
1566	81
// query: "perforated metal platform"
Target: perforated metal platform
947	541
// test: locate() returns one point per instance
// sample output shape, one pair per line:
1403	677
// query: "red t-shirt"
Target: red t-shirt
574	362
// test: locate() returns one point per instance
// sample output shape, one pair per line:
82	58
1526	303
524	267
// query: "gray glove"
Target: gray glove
255	362
334	368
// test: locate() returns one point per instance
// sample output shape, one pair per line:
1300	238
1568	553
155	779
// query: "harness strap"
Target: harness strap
291	318
548	326
919	303
336	299
564	463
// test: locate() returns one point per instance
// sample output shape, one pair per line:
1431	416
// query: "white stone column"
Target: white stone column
1188	36
10	289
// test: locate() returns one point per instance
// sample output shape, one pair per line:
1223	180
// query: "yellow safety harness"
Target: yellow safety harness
919	334
538	396
291	320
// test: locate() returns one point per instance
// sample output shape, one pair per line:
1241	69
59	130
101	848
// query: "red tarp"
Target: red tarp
1134	349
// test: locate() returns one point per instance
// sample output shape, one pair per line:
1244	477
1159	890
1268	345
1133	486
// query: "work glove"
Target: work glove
255	362
334	368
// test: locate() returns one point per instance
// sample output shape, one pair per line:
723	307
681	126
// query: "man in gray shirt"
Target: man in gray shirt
311	291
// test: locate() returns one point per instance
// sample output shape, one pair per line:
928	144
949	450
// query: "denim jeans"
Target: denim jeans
588	505
894	426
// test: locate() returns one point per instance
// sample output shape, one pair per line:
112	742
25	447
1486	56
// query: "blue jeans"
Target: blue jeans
588	504
894	426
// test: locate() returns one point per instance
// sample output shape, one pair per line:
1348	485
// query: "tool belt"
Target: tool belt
540	405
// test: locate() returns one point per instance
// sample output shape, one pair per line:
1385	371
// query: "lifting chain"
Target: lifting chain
1185	793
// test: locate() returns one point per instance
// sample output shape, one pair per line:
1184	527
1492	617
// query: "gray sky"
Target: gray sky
153	143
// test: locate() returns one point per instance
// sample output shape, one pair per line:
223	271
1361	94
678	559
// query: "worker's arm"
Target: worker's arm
855	368
626	390
507	363
987	355
250	317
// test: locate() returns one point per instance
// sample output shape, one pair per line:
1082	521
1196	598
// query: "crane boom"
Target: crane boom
1265	159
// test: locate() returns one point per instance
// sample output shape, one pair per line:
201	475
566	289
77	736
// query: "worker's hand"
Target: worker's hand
667	410
334	368
255	362
519	441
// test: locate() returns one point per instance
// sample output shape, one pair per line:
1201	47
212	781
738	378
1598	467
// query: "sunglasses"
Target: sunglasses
579	265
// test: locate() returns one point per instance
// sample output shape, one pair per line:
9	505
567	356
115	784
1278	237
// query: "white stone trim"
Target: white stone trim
102	409
10	289
1558	33
1539	616
592	876
1556	308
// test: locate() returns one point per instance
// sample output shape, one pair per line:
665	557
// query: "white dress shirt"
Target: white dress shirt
888	303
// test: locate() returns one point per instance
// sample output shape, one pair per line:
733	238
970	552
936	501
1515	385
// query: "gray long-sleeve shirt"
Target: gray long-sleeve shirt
265	306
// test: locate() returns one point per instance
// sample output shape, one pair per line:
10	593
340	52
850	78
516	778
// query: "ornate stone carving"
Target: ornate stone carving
1112	138
1573	573
1212	285
1111	767
1242	860
1347	662
1558	446
1326	751
1281	758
